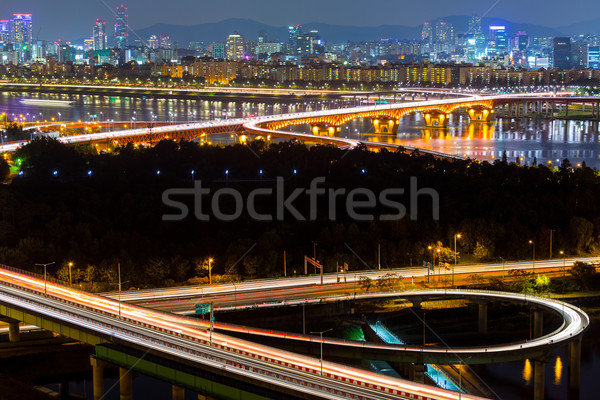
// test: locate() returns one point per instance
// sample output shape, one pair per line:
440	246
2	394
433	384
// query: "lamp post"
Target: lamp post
321	334
210	260
70	276
119	294
45	280
457	236
533	262
562	253
432	261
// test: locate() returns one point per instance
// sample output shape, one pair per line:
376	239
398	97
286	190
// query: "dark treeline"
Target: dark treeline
100	210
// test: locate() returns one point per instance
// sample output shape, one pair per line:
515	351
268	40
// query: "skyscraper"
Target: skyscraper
427	32
444	32
21	35
235	46
294	32
562	52
4	31
498	40
475	25
121	28
594	57
522	41
99	35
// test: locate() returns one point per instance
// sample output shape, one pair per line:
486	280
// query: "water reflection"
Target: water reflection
527	371
558	369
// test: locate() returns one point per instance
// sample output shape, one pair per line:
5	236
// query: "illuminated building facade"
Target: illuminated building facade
99	35
561	53
121	27
235	47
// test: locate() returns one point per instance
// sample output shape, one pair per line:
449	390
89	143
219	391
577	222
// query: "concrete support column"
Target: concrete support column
482	318
13	332
538	323
419	373
538	380
178	393
98	377
125	384
574	363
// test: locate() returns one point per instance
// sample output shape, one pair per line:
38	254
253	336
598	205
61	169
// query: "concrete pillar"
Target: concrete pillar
125	384
13	332
419	373
574	363
98	377
482	318
538	380
538	323
178	393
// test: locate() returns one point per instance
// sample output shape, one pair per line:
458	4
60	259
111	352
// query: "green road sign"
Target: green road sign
203	308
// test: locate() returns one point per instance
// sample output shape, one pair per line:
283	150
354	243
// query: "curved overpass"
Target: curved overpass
575	322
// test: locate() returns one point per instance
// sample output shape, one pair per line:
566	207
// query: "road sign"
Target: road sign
202	308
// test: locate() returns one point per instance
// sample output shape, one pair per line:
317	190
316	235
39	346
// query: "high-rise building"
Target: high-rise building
594	57
294	32
165	42
579	55
121	27
309	43
522	42
427	32
444	32
4	31
561	53
218	51
21	35
235	46
153	42
99	35
475	25
498	41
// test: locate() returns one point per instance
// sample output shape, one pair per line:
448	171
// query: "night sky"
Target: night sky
72	19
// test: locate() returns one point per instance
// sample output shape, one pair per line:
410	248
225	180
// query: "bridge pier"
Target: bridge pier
574	364
418	373
98	377
480	114
436	119
178	393
385	125
539	372
538	323
125	384
14	334
325	129
482	320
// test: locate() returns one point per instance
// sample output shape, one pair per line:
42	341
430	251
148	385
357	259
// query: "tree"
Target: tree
583	274
481	252
365	283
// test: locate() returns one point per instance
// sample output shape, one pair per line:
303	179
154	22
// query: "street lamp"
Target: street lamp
45	280
562	253
70	279
432	261
533	262
321	334
210	260
457	236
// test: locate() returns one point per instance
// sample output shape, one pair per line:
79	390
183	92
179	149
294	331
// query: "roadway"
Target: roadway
192	340
308	284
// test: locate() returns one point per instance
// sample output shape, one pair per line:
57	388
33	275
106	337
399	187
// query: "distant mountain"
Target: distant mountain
583	28
218	31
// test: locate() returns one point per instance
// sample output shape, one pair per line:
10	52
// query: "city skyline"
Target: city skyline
52	22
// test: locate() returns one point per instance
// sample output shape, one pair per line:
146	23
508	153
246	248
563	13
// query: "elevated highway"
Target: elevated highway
96	320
